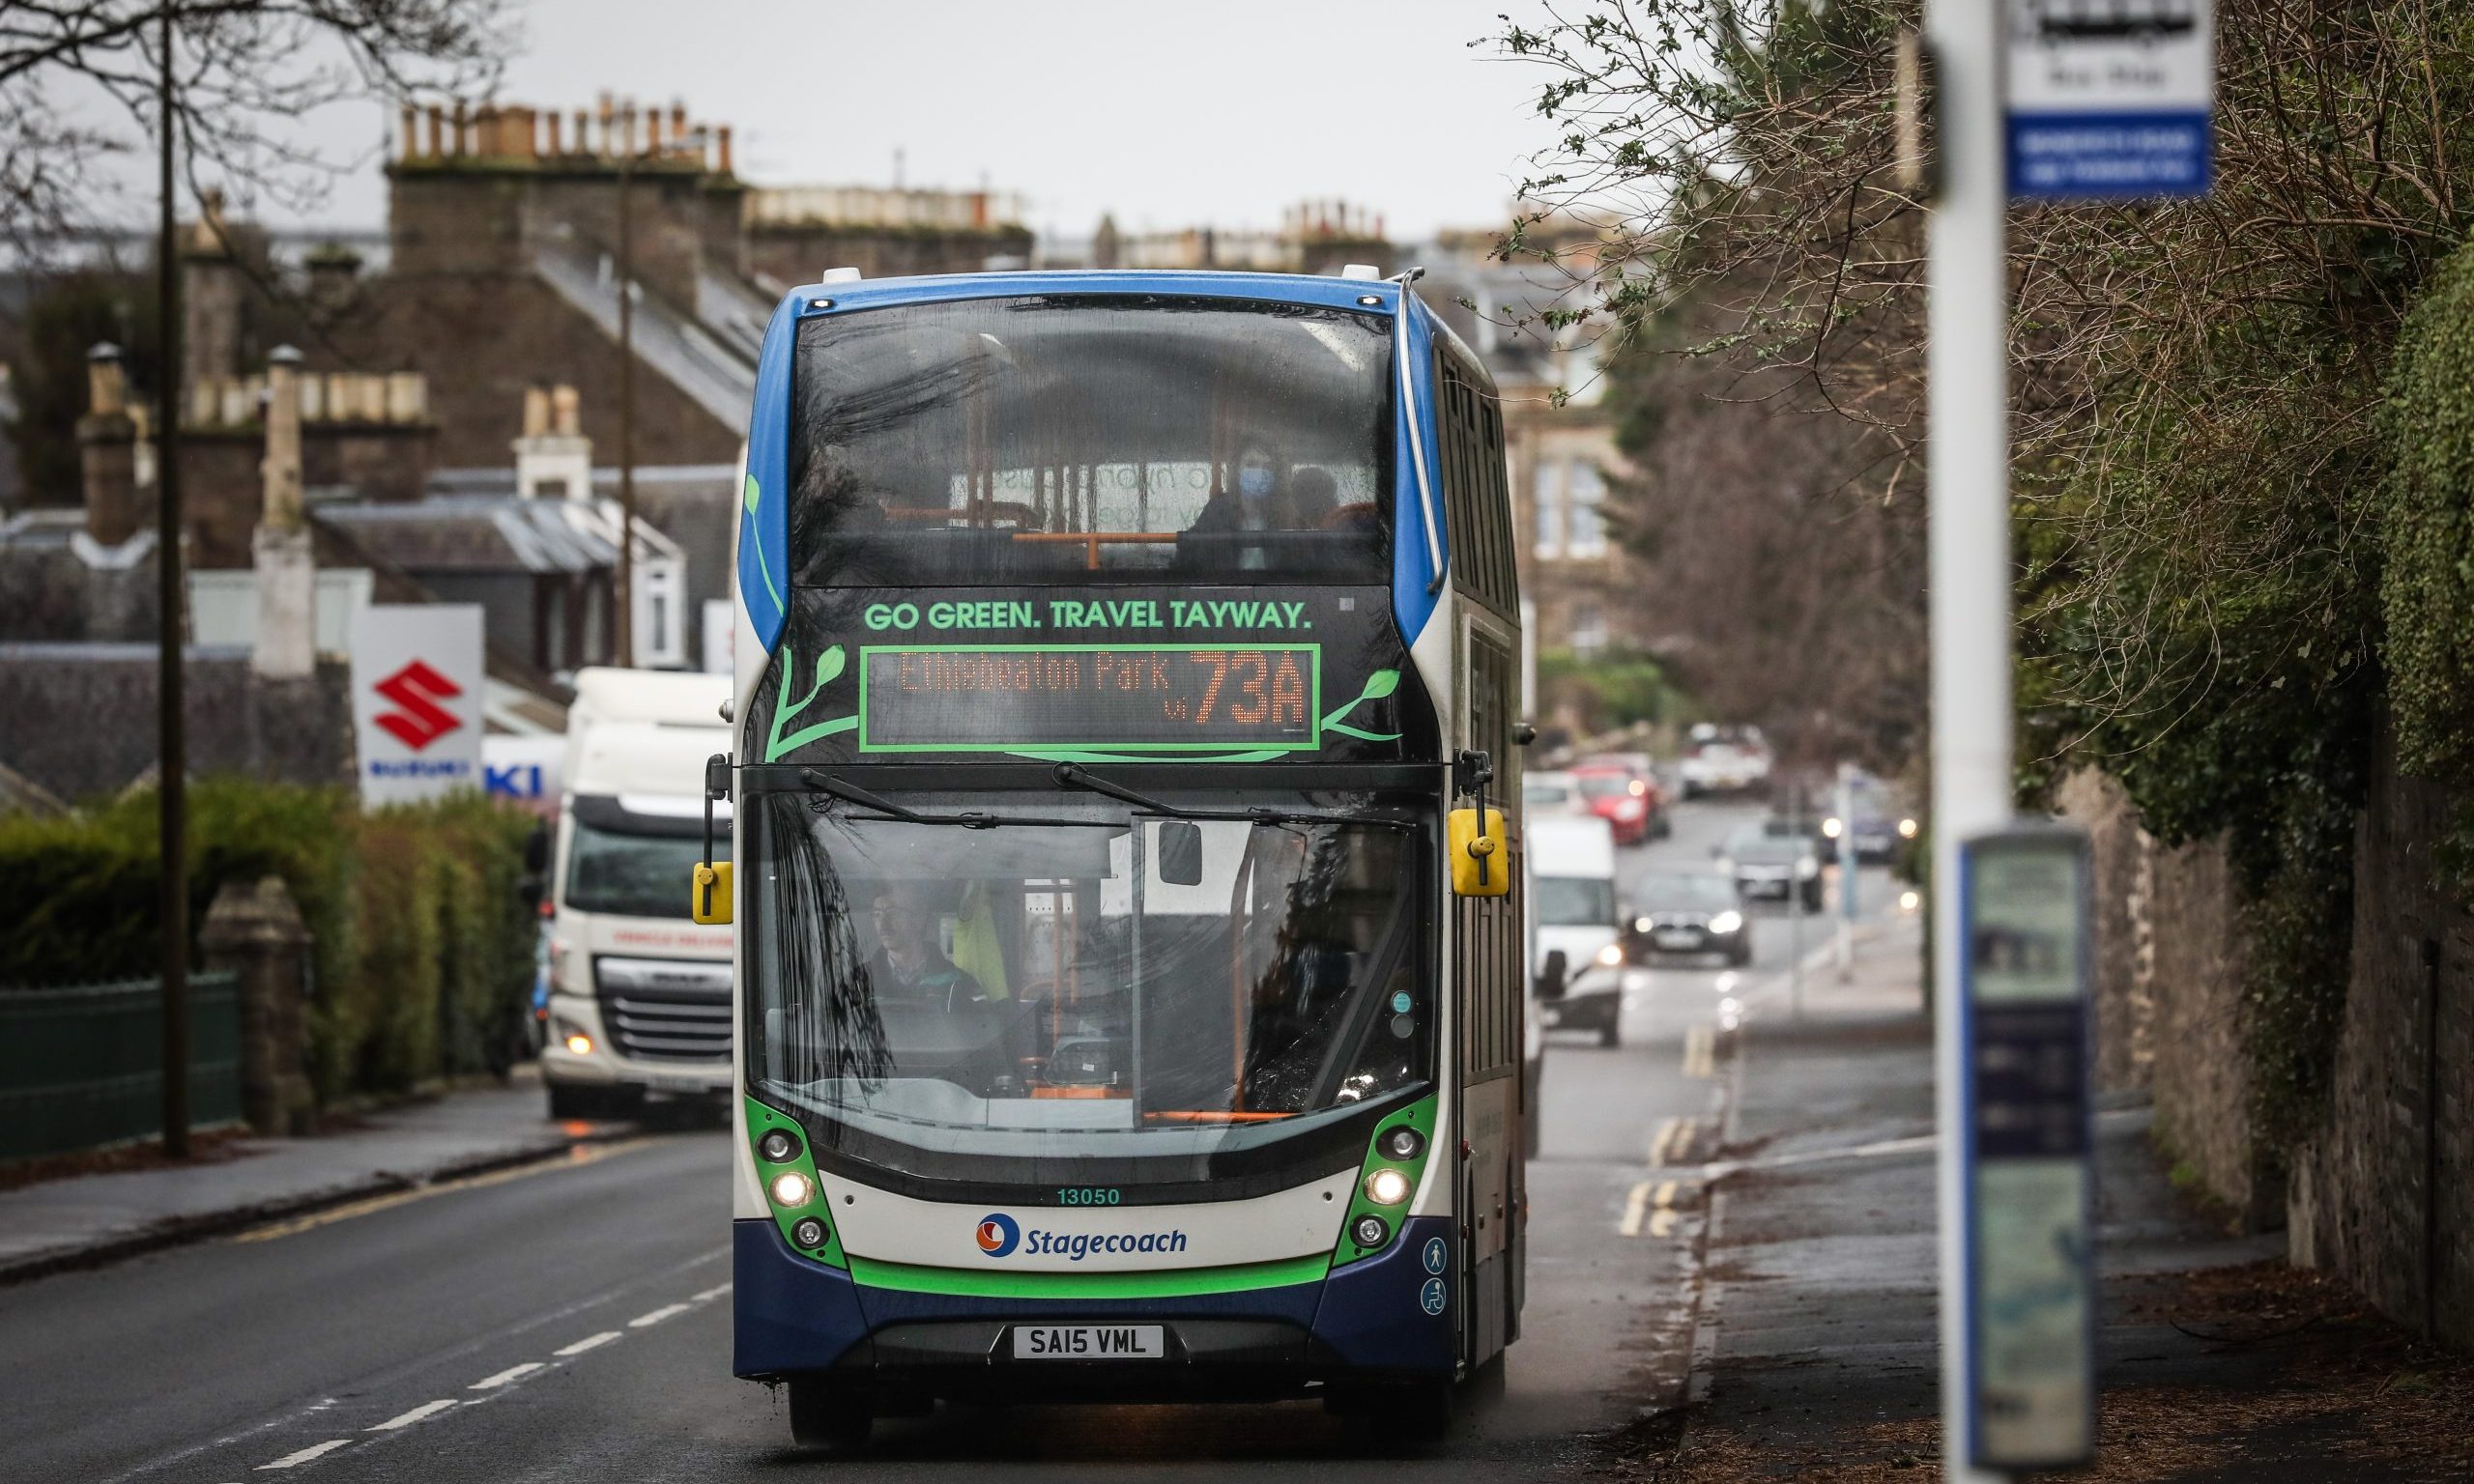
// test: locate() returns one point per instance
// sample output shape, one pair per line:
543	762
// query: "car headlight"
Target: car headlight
1726	922
1831	829
1642	925
1907	829
1806	866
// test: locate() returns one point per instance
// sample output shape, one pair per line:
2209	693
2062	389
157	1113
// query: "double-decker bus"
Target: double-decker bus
1129	977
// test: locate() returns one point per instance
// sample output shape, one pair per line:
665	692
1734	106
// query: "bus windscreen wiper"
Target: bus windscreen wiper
969	820
1071	775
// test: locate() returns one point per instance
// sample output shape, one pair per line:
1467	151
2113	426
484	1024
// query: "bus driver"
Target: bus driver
912	965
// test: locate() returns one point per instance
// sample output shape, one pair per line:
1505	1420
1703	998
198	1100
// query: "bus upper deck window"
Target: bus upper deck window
1078	437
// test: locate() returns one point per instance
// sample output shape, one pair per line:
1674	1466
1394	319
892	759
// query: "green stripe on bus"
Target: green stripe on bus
1166	1283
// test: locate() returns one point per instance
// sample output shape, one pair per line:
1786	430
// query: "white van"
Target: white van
1573	911
640	995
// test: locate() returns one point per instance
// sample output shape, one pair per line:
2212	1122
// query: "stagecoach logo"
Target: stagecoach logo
999	1236
417	719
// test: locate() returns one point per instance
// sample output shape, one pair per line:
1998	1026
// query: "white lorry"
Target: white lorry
640	995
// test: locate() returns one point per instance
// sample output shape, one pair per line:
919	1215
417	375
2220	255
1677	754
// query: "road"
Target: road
570	1321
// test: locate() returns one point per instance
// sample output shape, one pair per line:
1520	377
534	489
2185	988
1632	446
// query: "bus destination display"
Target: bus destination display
982	698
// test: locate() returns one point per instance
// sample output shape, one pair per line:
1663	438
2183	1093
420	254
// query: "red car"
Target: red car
1625	798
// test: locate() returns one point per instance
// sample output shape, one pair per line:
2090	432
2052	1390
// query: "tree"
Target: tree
78	87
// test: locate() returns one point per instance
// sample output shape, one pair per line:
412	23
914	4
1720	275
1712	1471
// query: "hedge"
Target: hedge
425	951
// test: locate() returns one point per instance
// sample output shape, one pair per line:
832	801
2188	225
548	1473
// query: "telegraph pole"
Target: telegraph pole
171	792
622	602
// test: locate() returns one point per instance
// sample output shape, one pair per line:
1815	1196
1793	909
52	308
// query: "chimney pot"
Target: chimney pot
284	356
106	385
463	127
724	136
536	411
565	415
406	139
437	131
557	146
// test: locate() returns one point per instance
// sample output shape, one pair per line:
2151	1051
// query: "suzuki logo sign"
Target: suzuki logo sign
416	687
418	722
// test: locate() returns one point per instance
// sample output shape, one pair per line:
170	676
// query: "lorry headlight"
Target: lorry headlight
580	1043
1907	829
1611	954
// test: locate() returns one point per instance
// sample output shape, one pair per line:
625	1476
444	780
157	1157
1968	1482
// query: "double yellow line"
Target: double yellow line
1651	1205
1701	1052
581	1154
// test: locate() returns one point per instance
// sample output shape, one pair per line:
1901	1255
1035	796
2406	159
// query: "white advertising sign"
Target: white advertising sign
416	687
2109	100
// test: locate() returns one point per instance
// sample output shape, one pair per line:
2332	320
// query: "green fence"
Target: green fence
83	1066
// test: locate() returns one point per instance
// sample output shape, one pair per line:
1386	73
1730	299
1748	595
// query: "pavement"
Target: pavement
88	1219
1815	1353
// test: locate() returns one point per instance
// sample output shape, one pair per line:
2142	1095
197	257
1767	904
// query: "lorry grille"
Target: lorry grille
666	1010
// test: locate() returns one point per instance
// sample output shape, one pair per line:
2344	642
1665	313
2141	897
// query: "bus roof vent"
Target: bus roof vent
1366	270
841	275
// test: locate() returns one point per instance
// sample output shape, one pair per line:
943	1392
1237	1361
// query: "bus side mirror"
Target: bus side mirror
1480	862
1550	978
1180	852
708	899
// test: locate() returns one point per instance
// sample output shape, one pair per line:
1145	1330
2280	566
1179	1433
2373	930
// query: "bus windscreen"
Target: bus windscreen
1091	438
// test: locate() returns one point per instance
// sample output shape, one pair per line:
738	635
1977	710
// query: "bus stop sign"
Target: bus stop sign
2029	1179
2108	100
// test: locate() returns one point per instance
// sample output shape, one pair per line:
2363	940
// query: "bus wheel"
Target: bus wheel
825	1418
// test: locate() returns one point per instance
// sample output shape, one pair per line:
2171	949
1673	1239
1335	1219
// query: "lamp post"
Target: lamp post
171	792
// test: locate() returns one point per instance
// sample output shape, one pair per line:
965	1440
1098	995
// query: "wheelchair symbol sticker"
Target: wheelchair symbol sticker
1431	1296
1436	1255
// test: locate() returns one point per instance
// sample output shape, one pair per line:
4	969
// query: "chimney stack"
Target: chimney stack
107	452
286	646
553	459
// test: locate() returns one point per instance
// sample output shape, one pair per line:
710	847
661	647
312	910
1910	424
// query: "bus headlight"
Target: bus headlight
779	1147
808	1232
1387	1188
1370	1231
792	1188
1402	1143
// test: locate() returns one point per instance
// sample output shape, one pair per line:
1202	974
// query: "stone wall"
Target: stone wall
2383	1194
80	719
2170	997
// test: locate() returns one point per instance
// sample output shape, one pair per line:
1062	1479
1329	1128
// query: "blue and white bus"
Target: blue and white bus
1128	972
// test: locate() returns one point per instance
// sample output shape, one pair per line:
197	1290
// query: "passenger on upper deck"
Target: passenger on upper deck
1263	502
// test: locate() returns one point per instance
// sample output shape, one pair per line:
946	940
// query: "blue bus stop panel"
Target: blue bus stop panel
2109	157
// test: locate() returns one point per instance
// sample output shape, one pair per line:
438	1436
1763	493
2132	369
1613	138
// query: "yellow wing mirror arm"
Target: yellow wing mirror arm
709	900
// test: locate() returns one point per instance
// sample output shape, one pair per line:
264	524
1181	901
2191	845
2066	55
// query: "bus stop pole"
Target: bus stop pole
1969	525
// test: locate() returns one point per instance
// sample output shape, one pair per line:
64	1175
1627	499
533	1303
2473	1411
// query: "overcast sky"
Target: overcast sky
1170	113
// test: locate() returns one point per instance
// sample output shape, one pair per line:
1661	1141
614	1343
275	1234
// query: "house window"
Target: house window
1546	505
1589	629
1586	532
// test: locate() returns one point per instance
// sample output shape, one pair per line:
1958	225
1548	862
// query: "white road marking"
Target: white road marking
719	1289
315	1450
425	1410
1700	1052
589	1341
657	1316
512	1373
